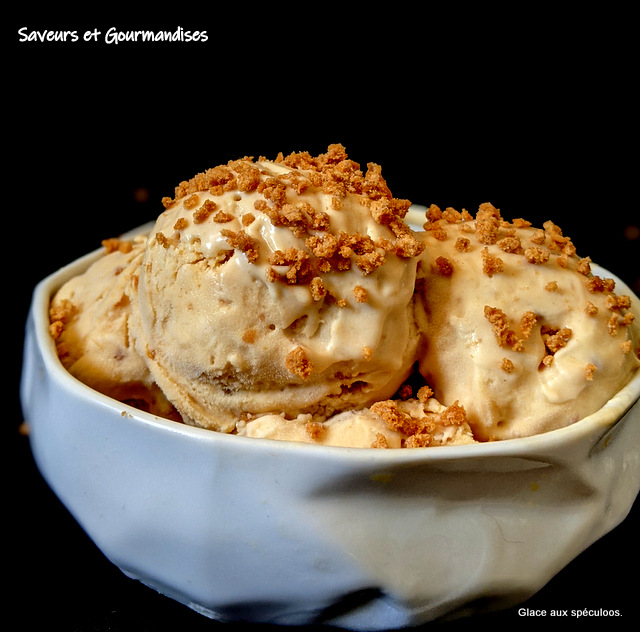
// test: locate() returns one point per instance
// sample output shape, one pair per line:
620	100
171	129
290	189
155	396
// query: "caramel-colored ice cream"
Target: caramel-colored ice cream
278	287
395	423
90	324
290	300
518	328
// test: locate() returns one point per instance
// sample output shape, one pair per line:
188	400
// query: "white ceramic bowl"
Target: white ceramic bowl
278	532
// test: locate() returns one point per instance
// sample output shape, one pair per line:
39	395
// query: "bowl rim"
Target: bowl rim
602	420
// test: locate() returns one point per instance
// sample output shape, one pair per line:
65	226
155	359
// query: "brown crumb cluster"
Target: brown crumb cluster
419	430
332	173
491	229
443	267
544	246
360	294
507	365
324	250
555	338
60	316
63	312
242	242
298	363
490	263
202	213
505	335
315	430
117	245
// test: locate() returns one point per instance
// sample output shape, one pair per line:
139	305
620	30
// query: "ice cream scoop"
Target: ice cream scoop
276	287
518	327
90	323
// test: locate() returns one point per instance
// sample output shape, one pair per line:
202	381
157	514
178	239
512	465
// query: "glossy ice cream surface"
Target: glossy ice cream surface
267	288
519	329
290	300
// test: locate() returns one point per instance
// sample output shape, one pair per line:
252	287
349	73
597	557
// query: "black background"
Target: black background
534	113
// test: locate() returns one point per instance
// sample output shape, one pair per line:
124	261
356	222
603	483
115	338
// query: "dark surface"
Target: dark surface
454	117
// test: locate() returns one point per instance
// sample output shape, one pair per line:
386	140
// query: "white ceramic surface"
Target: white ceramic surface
256	530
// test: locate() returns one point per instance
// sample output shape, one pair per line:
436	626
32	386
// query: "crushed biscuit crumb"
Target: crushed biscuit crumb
314	429
510	244
181	224
507	365
425	393
538	237
418	441
527	323
298	267
617	303
462	244
380	442
487	223
490	263
243	242
360	293
443	267
162	240
597	284
117	245
433	213
317	288
454	415
584	266
369	261
591	309
332	173
506	336
404	392
201	214
191	202
298	363
394	418
220	217
556	338
536	255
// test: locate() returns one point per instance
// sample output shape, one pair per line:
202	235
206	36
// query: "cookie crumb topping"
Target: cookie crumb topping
322	249
332	173
298	363
546	246
419	425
